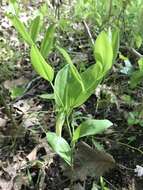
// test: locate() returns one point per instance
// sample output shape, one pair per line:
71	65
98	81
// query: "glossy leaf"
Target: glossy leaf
40	65
72	94
20	27
60	146
91	78
35	27
47	42
60	92
103	52
115	43
91	127
73	68
14	8
60	122
66	94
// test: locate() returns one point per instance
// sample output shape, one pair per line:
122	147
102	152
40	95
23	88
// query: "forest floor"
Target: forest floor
26	161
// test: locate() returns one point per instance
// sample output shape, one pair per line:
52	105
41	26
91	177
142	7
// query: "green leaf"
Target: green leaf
136	78
72	94
35	27
66	95
40	65
47	96
91	78
60	122
16	92
20	27
60	93
140	63
73	68
91	127
13	1
138	41
60	146
103	52
47	42
14	8
115	43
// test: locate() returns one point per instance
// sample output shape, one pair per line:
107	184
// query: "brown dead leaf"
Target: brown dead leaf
90	162
3	122
33	154
8	174
9	84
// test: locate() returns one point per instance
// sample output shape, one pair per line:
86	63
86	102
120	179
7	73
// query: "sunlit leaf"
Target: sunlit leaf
91	127
47	42
40	65
35	27
140	63
47	96
103	51
20	27
60	119
73	68
60	146
115	43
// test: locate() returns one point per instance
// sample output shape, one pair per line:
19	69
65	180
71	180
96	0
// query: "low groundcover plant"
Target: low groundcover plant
70	88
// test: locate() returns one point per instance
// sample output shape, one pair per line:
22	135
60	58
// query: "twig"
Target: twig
123	144
131	147
133	51
88	32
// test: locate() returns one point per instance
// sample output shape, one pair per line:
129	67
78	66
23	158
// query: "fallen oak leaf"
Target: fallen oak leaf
90	162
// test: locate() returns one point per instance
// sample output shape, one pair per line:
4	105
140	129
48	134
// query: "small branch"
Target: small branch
131	147
110	9
133	51
88	32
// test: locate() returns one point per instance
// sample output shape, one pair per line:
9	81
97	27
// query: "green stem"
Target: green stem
59	122
57	95
69	128
110	9
7	109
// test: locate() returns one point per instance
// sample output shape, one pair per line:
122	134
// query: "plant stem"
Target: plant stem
110	9
7	109
88	32
69	128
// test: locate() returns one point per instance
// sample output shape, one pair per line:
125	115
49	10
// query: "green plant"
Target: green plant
135	118
71	88
137	76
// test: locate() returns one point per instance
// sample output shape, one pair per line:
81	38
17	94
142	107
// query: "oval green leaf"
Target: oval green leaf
60	146
47	42
91	127
103	51
20	27
73	68
35	27
40	65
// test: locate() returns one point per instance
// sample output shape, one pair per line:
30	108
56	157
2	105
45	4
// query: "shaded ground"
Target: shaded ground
29	163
